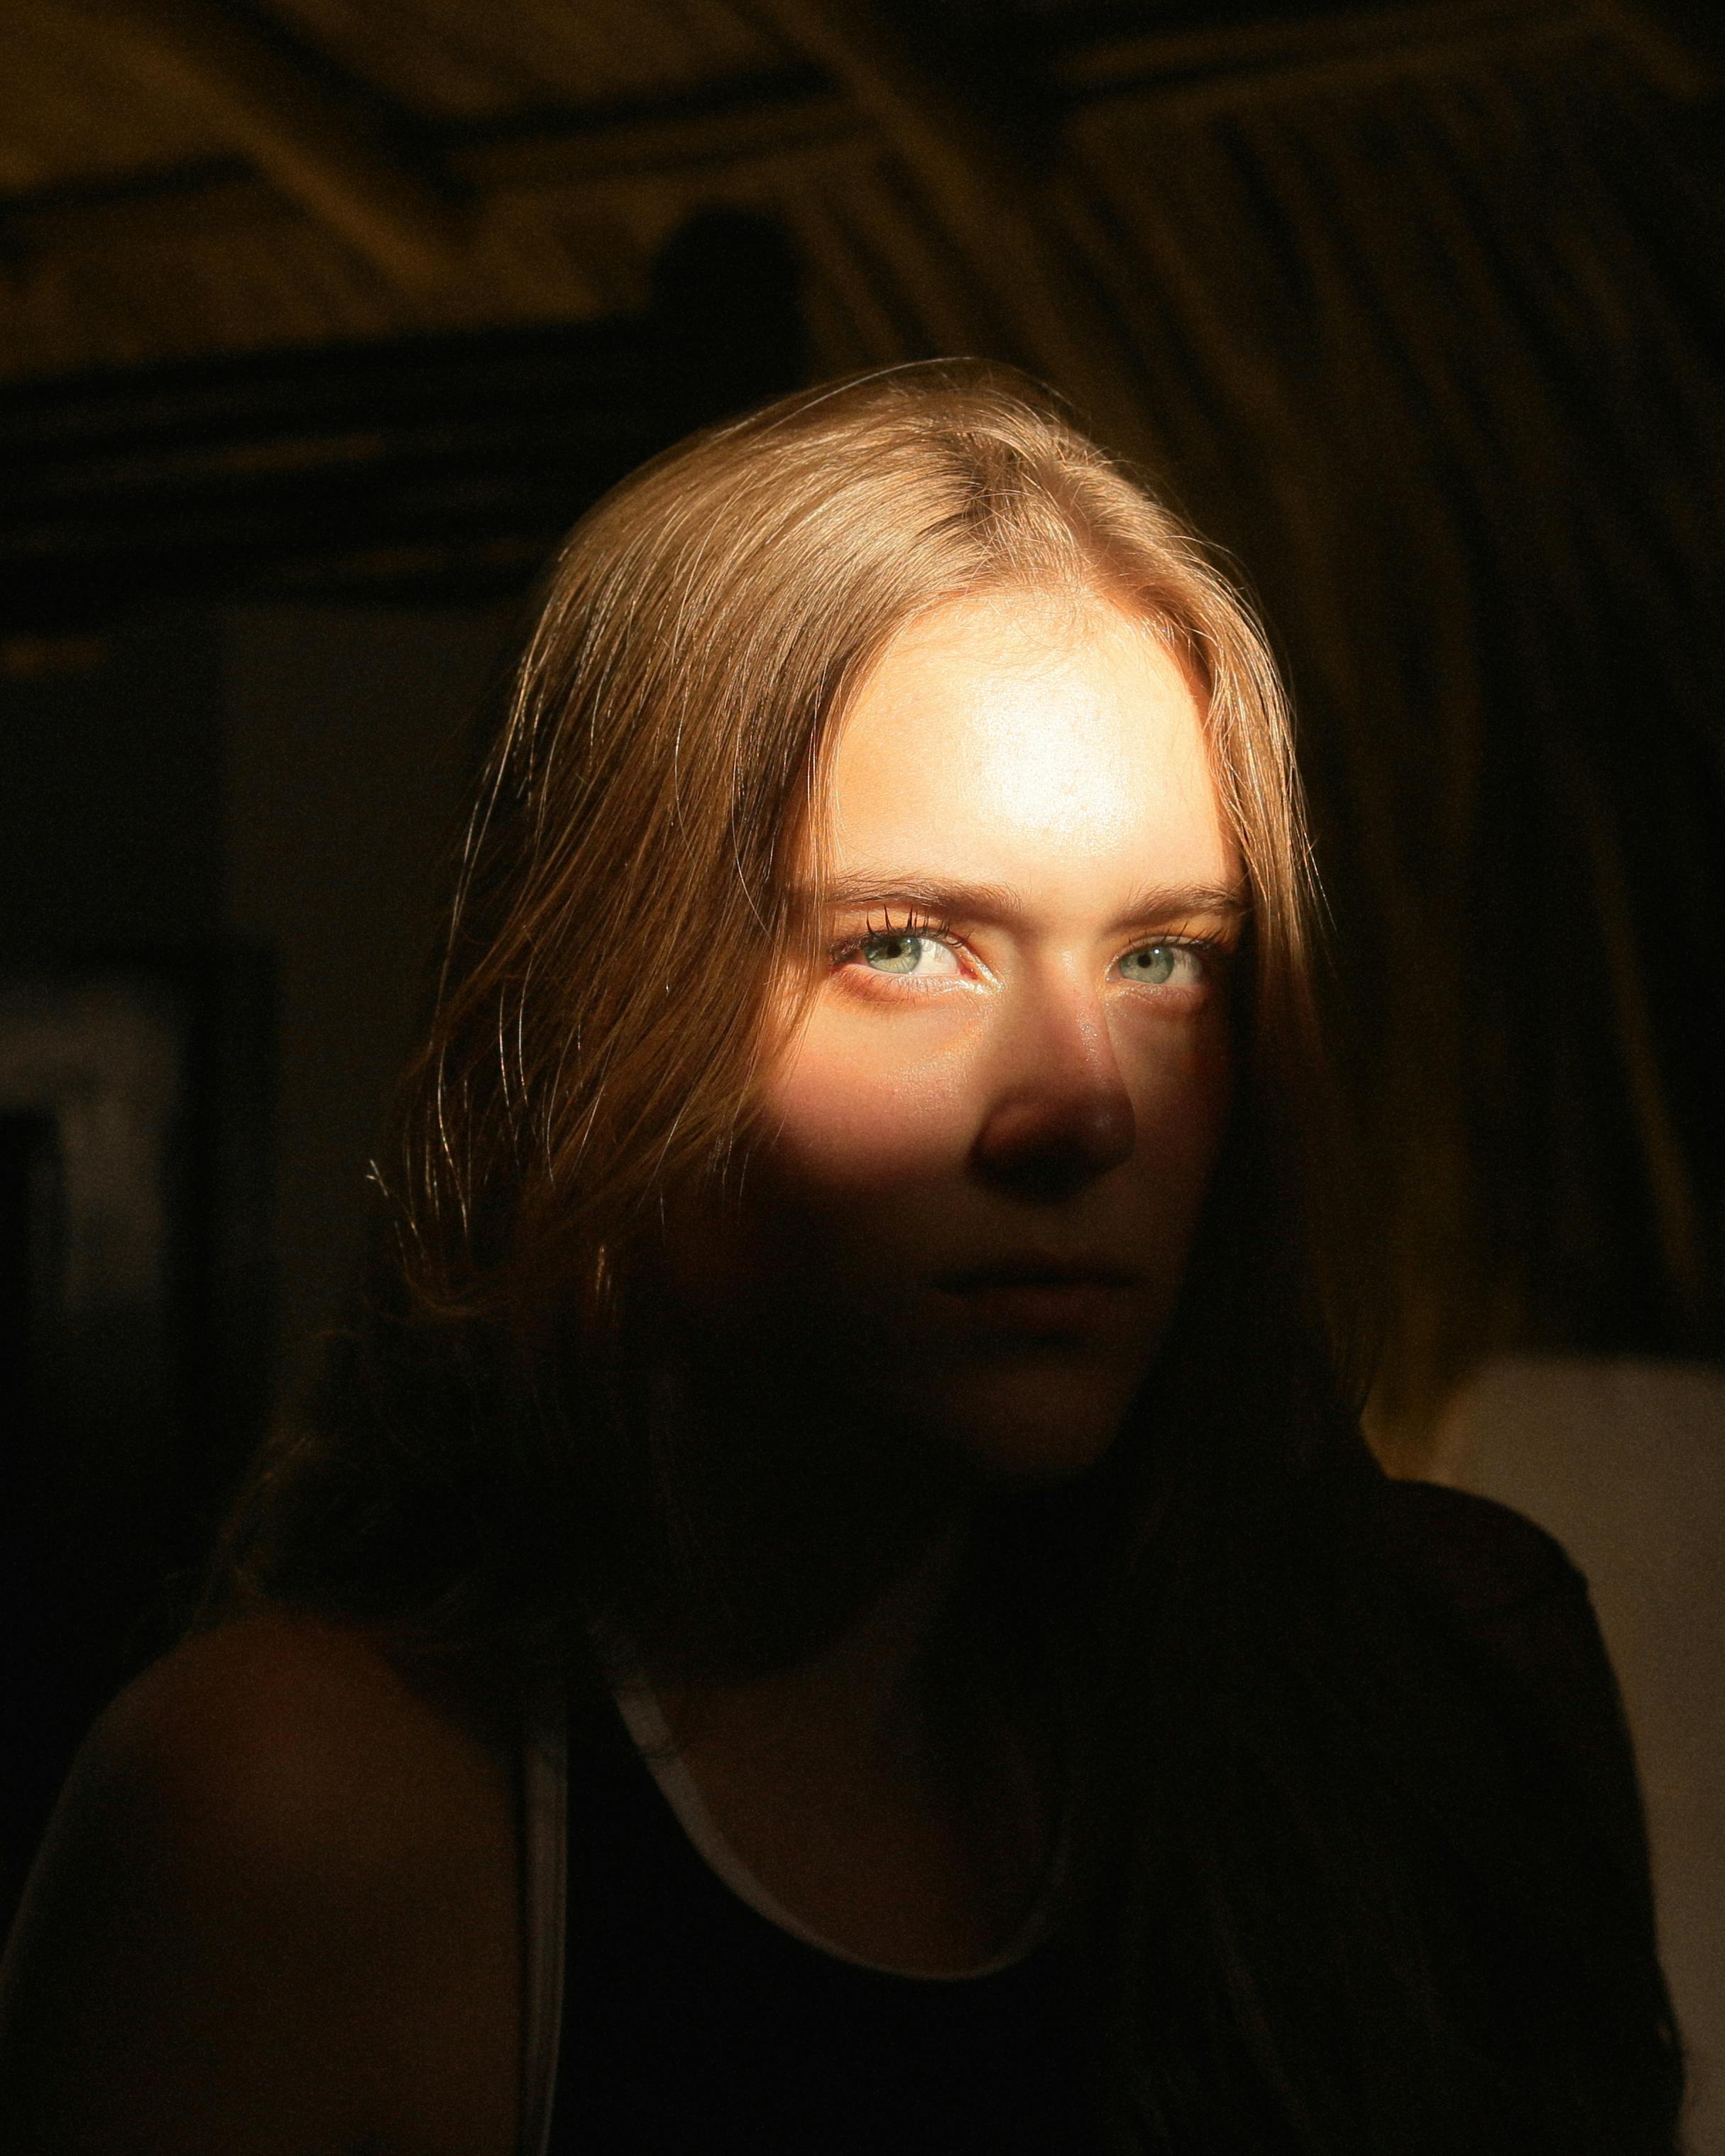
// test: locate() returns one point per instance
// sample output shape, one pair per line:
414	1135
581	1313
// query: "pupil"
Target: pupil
1156	964
895	954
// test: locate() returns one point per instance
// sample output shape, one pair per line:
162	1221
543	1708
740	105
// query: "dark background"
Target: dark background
320	320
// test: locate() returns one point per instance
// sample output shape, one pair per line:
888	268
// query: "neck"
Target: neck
867	1700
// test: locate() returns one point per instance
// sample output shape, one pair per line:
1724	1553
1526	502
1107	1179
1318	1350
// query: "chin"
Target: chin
1026	1422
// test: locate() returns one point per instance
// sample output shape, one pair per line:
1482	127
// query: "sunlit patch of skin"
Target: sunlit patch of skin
1019	1043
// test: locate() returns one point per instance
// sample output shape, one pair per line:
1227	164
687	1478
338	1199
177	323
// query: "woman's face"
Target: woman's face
987	1149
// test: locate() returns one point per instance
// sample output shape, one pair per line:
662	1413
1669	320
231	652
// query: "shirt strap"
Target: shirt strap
544	1881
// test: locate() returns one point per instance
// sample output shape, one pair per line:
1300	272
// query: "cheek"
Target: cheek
851	1112
857	1132
1187	1087
1159	1051
1182	1096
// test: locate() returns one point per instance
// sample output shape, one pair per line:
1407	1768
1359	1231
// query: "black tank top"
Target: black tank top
693	2026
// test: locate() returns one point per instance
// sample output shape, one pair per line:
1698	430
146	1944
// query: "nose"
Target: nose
1060	1115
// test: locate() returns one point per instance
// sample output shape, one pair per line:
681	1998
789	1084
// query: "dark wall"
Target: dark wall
222	833
284	780
350	735
110	787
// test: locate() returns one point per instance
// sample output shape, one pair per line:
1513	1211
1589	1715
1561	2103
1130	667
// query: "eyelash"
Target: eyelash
913	922
1213	950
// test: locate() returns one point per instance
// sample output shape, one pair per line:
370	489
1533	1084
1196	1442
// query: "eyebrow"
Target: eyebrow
1001	903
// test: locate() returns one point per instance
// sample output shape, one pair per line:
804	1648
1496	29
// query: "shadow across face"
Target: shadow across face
947	1262
987	1147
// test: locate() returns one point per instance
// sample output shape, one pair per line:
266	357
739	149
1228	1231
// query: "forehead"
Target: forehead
1052	745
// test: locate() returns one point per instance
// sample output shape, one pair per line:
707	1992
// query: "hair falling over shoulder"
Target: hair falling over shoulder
1282	1944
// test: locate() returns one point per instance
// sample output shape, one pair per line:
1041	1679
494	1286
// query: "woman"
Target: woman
854	1372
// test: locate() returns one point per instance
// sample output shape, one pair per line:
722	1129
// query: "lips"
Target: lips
1043	1295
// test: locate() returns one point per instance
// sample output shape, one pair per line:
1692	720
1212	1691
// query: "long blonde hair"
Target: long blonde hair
702	633
1253	1898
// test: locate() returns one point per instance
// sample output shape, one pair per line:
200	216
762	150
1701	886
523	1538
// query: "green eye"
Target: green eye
895	954
1155	965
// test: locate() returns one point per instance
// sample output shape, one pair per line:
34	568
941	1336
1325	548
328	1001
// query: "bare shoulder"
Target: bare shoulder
297	1734
276	1908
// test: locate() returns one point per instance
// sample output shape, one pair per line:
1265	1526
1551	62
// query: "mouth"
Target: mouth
1033	1269
1039	1294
